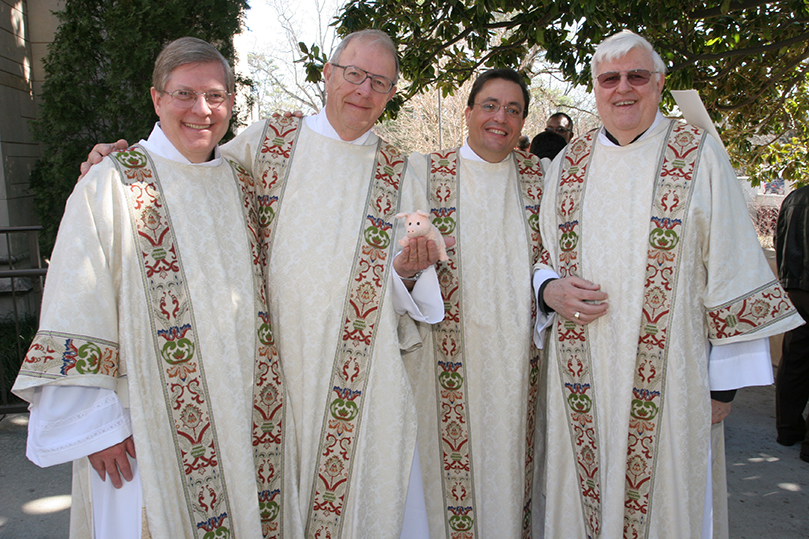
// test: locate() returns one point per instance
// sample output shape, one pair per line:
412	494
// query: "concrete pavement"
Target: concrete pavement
768	485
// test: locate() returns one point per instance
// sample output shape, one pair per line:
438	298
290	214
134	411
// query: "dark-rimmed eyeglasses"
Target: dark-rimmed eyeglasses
559	129
635	77
357	76
491	107
186	98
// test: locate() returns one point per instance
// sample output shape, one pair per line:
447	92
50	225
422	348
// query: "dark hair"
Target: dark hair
502	73
562	115
523	143
547	144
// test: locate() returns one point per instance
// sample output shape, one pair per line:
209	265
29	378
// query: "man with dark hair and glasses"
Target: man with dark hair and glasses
650	208
560	123
476	374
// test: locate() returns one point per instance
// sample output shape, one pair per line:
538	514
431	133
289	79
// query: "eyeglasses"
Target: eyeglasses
186	98
357	76
491	107
635	77
559	129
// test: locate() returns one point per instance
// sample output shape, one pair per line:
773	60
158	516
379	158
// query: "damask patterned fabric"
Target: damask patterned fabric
316	236
721	265
496	291
95	296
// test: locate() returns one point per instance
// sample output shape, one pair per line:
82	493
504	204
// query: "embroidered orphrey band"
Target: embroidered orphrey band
352	361
670	204
175	340
454	433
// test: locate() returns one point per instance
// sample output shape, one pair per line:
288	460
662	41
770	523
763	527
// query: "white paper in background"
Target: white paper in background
694	112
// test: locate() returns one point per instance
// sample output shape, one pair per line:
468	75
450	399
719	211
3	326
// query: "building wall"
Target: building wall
26	28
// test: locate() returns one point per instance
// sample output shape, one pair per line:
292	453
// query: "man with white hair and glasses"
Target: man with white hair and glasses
651	209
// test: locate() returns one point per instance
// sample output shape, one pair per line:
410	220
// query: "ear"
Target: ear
391	94
157	99
424	213
661	81
328	71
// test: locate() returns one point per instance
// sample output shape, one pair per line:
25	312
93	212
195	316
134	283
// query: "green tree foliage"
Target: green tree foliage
747	58
99	71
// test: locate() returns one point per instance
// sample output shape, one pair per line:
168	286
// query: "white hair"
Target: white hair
618	45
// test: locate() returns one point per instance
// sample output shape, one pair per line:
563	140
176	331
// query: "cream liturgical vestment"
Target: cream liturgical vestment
691	238
105	314
473	391
320	223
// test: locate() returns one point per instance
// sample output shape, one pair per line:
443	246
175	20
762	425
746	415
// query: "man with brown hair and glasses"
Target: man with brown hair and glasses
651	209
149	367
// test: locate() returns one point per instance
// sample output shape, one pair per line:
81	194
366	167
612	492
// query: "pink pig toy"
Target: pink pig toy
418	224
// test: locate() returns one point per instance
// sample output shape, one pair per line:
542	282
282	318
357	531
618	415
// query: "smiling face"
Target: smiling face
352	109
493	135
626	110
195	130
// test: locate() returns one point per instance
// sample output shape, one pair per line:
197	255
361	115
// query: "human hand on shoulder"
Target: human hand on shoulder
99	152
287	114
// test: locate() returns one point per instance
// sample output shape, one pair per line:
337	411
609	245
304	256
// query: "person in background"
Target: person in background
561	124
792	376
523	143
547	144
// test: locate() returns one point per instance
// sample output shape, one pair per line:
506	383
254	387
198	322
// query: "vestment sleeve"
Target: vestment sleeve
77	340
743	300
424	302
740	364
70	422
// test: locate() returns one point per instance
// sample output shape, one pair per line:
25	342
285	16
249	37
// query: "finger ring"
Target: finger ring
577	315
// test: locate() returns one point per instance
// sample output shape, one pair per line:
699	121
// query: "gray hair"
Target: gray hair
618	45
368	37
188	50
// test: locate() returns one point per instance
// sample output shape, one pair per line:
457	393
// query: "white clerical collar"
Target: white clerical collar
159	144
602	134
320	124
468	153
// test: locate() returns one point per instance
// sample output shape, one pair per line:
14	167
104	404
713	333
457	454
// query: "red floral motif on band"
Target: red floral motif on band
454	434
670	204
352	361
745	315
573	354
57	355
175	341
269	396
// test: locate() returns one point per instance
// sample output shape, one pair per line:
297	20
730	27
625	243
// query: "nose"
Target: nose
364	87
500	115
201	106
623	84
